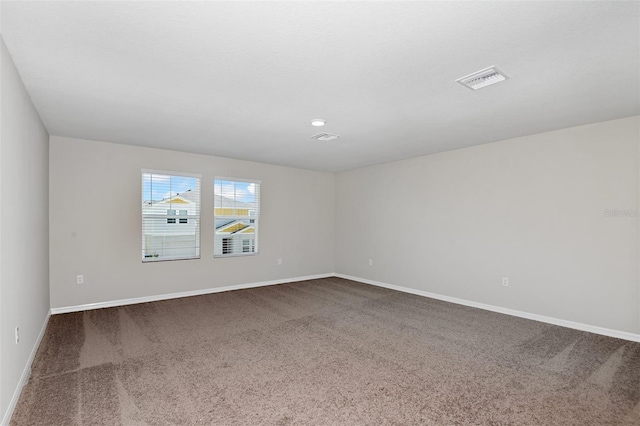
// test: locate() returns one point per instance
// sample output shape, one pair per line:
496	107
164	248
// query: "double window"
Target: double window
170	216
236	205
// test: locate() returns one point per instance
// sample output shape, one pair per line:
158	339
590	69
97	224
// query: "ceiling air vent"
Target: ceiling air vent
325	137
482	78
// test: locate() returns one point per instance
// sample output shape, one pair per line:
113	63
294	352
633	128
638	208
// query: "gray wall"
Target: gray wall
24	233
531	208
95	219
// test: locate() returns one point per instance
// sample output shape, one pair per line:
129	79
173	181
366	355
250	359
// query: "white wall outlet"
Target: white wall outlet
80	279
279	261
505	281
370	262
17	335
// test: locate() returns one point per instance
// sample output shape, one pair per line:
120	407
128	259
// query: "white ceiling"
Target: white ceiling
244	79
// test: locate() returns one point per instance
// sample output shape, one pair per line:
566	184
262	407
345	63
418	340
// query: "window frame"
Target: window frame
171	219
252	217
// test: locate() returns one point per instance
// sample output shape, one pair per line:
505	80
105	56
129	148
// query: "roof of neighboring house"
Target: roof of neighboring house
235	227
225	202
188	196
192	196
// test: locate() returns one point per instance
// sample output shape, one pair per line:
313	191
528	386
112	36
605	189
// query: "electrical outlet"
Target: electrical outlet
505	281
370	262
80	279
279	261
17	335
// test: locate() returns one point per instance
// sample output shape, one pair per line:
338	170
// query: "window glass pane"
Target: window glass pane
236	214
165	196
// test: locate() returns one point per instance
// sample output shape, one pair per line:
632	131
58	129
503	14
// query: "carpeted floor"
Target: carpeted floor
328	351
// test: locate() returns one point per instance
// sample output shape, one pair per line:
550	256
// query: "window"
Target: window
227	246
236	205
171	219
248	246
170	216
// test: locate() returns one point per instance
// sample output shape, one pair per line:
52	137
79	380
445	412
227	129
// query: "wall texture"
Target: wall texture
95	222
24	233
534	209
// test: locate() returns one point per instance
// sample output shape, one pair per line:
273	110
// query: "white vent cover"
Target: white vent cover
325	137
482	78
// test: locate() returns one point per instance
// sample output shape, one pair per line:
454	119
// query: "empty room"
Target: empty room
323	213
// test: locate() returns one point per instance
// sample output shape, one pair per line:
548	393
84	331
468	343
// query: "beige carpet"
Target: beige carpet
327	351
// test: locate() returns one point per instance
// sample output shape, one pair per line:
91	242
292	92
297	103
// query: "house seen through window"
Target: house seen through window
236	213
170	216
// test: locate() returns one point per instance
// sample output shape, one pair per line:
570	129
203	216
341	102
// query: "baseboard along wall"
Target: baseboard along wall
549	320
133	301
26	372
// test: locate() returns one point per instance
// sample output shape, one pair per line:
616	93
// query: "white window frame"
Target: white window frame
195	217
253	216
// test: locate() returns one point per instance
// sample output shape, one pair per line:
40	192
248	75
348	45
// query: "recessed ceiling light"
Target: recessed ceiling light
325	137
317	122
482	78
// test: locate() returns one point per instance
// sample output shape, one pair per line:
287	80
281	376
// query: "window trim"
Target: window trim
254	220
196	218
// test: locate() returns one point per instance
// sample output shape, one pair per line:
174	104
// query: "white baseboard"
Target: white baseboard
25	374
155	298
549	320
